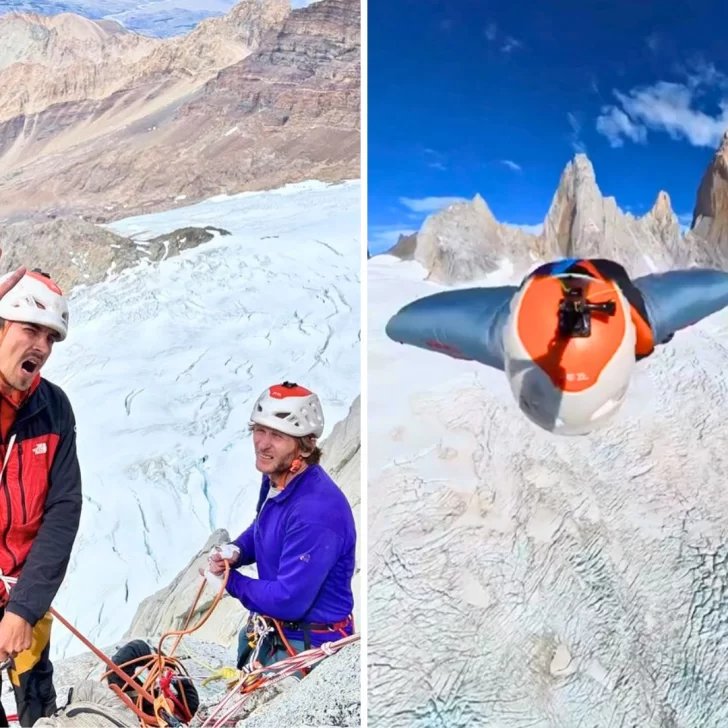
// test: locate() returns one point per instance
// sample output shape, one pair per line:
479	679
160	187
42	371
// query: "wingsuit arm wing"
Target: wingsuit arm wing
677	299
464	324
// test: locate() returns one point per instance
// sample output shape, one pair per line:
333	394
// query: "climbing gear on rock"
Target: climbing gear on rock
166	696
229	674
155	691
291	409
268	676
175	684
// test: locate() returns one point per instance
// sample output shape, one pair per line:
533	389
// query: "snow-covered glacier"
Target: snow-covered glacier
162	365
517	579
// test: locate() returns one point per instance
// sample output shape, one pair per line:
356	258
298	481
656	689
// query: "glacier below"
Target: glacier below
522	580
162	365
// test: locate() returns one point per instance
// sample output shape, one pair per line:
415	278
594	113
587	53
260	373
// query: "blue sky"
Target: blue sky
495	98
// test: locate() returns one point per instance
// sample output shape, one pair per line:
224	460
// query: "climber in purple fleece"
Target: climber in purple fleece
303	542
303	538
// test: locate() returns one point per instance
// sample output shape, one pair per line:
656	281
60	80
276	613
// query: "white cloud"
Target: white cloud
700	73
429	204
510	44
615	124
670	108
654	42
512	165
434	159
575	136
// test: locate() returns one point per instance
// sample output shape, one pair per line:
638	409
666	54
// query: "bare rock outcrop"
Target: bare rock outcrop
465	241
329	696
179	123
581	222
404	248
76	252
710	216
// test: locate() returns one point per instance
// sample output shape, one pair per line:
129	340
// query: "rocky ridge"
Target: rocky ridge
169	120
465	241
59	59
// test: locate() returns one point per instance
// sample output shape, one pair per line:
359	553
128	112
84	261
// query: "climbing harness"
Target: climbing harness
163	698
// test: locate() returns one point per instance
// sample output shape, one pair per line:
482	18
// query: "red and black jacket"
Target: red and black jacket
40	499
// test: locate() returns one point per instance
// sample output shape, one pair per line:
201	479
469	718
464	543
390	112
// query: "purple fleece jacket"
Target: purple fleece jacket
303	542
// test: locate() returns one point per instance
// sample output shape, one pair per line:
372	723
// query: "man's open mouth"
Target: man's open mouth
30	366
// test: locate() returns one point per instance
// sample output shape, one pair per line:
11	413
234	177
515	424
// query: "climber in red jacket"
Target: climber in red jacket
41	509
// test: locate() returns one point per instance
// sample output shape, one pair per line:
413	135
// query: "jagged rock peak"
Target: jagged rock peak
581	164
481	207
466	241
710	214
663	206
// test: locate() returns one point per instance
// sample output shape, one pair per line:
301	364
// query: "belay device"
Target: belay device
575	312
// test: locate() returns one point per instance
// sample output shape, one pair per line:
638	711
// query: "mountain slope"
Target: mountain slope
162	365
66	58
582	580
287	112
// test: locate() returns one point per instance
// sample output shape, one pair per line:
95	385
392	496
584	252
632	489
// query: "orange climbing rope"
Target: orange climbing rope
156	687
160	667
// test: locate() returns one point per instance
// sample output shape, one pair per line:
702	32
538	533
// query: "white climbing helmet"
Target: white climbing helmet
291	409
569	384
36	299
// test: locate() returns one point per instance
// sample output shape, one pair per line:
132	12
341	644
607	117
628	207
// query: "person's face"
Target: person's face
274	451
24	350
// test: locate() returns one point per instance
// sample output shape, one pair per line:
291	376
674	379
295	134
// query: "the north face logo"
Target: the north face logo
40	449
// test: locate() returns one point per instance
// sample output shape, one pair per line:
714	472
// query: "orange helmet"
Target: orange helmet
569	350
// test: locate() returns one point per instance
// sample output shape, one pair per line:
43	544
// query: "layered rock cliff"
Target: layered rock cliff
60	59
260	98
710	216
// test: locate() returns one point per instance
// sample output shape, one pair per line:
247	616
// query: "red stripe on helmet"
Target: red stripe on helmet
282	391
47	282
